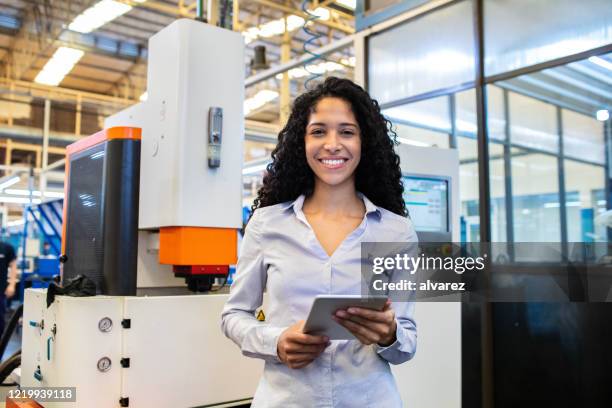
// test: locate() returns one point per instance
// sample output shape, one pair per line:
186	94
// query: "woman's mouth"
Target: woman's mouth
335	163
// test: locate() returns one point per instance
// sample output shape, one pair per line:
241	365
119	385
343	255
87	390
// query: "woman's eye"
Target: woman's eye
348	133
317	132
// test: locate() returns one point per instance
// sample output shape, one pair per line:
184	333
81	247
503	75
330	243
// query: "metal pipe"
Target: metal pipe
200	10
304	59
45	150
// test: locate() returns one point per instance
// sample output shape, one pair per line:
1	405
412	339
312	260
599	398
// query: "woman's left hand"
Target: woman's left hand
369	326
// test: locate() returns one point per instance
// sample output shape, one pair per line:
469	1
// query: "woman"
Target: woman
334	182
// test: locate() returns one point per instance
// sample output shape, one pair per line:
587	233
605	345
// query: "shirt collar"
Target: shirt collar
298	203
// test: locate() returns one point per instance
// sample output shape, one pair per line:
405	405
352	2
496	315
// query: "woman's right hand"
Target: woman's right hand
297	349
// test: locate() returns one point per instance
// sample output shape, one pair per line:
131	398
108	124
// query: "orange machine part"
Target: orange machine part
198	246
120	132
21	403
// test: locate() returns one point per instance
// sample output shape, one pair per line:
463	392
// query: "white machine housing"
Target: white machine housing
178	356
192	67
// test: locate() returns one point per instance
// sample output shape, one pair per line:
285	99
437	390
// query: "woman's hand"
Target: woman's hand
297	349
369	326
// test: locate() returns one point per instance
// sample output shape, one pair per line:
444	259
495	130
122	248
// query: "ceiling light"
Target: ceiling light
348	61
15	223
601	62
98	15
9	181
276	27
412	142
351	4
318	69
254	169
35	193
18	200
60	64
321	13
602	115
260	99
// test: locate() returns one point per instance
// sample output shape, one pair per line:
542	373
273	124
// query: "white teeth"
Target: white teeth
332	162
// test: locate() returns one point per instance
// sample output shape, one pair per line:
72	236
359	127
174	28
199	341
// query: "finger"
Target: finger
377	327
300	358
305	348
384	317
304	338
361	332
357	335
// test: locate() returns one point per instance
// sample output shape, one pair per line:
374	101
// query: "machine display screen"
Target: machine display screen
427	202
84	244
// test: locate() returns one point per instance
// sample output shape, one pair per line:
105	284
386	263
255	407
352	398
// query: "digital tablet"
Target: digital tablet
320	320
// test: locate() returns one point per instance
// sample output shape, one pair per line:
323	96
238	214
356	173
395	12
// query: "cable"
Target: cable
9	329
314	36
8	366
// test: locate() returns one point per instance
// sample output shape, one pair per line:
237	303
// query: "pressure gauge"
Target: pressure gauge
105	324
104	364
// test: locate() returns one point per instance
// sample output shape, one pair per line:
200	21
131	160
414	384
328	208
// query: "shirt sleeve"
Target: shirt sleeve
404	347
238	322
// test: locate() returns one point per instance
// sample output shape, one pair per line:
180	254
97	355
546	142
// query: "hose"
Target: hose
9	329
314	36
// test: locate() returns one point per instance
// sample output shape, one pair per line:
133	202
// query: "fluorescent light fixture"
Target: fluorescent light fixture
9	181
348	61
15	223
60	64
35	193
254	169
601	62
18	200
277	27
272	28
602	115
260	99
98	15
319	69
351	4
321	12
567	204
412	142
144	96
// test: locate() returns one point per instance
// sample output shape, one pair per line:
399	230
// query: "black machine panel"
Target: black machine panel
102	216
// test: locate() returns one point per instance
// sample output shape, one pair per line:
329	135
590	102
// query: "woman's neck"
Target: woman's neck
334	200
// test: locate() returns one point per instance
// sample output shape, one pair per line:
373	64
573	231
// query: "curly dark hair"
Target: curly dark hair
378	175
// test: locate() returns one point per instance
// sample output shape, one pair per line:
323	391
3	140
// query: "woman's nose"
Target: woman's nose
332	142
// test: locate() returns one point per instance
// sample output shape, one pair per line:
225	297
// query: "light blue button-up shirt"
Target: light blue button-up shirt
281	254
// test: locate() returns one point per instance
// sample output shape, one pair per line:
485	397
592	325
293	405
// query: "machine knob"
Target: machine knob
63	258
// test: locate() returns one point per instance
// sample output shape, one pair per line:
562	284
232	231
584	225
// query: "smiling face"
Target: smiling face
333	142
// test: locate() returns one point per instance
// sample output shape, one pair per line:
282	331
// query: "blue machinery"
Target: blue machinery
47	217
